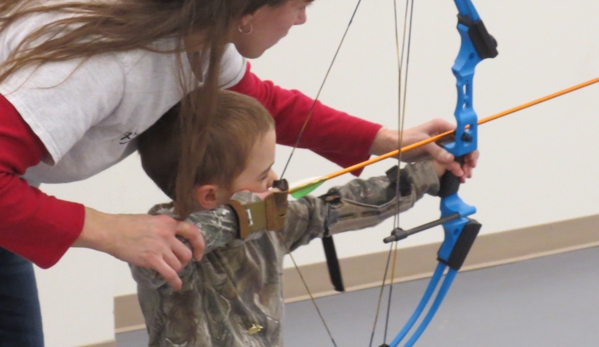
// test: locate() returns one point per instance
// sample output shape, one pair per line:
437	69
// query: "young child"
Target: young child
234	295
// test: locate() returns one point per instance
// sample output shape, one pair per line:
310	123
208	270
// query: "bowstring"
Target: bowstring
402	95
312	298
326	76
295	147
402	54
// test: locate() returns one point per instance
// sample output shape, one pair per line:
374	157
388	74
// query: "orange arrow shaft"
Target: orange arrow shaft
447	133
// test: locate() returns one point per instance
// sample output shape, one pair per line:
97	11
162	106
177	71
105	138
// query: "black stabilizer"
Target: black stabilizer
333	263
396	235
463	245
484	43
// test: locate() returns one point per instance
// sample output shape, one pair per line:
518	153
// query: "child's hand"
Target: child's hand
463	172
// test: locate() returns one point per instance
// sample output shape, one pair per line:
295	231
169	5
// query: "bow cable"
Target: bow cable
402	54
326	76
293	151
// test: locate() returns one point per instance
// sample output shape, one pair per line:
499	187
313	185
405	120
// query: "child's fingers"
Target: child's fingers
439	153
455	169
472	159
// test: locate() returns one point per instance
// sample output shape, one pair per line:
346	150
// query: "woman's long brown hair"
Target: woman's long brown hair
102	26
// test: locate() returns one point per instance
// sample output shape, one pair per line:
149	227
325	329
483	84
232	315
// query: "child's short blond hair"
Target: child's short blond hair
238	123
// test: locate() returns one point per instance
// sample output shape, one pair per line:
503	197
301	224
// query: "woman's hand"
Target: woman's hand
142	240
464	172
387	140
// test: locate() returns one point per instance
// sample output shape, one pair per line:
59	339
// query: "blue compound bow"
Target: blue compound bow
460	231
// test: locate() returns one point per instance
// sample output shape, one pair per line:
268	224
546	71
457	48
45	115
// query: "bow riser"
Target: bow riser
466	118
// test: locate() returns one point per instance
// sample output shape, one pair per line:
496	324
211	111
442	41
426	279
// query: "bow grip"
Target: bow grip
450	183
460	233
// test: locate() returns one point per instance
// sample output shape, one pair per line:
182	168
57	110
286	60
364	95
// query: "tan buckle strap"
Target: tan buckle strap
276	210
267	214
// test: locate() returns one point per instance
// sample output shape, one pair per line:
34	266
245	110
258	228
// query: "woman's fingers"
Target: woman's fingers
167	272
143	240
195	238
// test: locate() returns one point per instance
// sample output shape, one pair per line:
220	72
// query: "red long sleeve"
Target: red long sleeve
337	136
36	226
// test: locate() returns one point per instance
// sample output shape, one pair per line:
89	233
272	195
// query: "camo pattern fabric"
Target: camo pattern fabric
234	295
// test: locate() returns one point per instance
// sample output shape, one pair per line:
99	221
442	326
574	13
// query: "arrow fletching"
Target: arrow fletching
301	190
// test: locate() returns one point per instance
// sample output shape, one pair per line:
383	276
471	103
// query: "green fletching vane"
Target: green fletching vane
306	189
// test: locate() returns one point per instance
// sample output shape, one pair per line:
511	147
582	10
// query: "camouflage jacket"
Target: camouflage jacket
234	295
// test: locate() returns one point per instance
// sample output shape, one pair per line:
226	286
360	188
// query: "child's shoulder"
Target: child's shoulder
167	208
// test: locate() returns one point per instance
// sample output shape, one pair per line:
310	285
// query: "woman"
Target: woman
78	82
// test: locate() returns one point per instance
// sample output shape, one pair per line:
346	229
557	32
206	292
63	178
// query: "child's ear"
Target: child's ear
206	196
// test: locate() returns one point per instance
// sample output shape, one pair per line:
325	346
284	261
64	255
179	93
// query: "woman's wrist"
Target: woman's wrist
94	236
385	141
